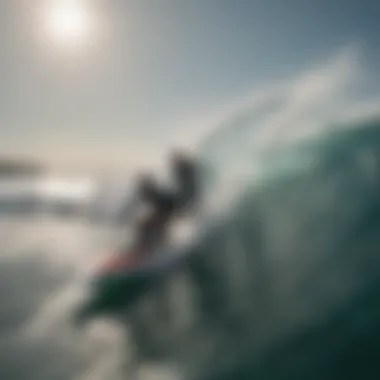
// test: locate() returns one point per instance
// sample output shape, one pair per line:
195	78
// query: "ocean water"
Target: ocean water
286	286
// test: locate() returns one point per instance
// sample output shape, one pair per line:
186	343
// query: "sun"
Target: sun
68	22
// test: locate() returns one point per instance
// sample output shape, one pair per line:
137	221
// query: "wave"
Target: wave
285	285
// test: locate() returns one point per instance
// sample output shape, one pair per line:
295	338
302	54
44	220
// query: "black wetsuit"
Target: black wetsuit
162	202
163	206
186	178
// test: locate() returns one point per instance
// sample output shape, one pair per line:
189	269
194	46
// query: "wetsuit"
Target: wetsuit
164	204
185	175
152	229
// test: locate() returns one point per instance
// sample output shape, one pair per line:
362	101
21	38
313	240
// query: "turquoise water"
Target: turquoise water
290	278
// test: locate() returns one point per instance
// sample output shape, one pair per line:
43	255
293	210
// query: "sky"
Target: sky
150	74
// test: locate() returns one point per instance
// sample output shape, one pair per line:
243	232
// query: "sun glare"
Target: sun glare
68	22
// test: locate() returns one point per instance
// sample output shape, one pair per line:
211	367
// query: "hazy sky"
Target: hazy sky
152	70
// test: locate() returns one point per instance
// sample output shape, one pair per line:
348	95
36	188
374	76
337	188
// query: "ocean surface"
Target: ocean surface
288	282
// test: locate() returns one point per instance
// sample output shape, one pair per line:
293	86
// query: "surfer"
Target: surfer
160	207
164	205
